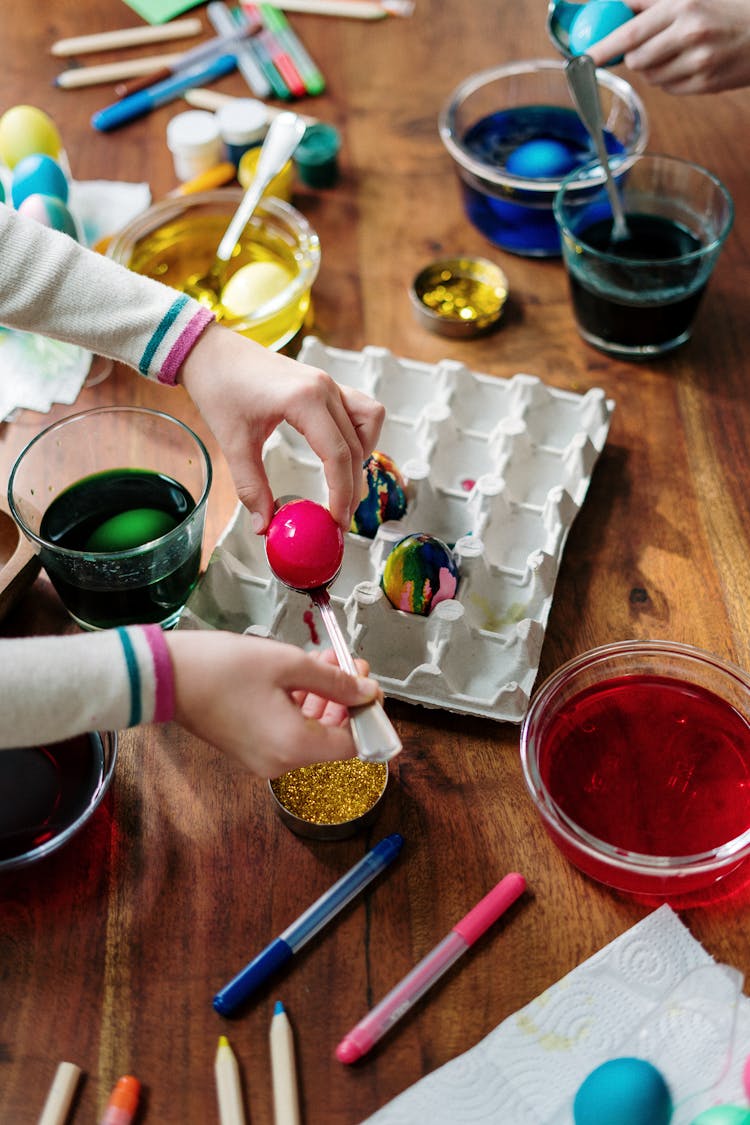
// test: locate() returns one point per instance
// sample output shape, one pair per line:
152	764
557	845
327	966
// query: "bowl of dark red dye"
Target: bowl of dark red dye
48	793
514	135
637	757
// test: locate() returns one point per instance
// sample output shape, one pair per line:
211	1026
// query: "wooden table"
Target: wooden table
111	950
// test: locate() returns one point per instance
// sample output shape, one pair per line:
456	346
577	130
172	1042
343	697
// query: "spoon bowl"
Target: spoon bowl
305	549
560	16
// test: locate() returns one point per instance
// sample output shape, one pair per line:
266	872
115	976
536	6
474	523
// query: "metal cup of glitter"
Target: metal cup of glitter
330	800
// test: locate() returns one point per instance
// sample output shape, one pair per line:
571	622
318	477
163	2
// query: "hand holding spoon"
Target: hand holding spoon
305	548
284	134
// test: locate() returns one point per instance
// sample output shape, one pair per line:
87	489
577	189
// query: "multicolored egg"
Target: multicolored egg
723	1115
25	130
419	572
624	1091
50	212
384	497
596	19
38	174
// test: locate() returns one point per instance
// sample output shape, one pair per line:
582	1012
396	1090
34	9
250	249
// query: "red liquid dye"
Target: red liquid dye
650	765
45	789
309	620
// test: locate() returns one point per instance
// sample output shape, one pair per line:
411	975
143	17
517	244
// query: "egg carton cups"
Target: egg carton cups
496	468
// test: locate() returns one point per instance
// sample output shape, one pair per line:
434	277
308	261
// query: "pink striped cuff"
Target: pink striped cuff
183	344
163	674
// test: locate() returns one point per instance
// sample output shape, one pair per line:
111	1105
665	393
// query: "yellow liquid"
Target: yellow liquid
182	252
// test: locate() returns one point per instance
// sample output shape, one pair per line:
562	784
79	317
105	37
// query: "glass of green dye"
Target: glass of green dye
114	501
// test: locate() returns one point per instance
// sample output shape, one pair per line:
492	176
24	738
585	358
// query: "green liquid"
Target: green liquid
118	511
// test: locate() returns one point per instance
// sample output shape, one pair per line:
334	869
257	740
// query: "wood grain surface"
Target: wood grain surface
111	950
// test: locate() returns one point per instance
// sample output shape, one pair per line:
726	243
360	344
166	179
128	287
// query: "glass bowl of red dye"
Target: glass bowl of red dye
637	756
48	793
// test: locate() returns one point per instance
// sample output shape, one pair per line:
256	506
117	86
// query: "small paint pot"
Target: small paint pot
194	140
281	186
316	156
243	124
459	297
330	800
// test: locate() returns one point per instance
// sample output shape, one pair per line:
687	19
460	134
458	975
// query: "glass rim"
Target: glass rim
500	177
131	552
730	852
165	209
620	167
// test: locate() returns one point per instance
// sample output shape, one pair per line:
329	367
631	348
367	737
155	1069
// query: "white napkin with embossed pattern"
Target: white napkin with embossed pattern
654	993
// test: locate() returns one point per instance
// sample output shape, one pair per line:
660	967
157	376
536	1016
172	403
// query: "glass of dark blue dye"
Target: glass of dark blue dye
514	135
638	297
114	501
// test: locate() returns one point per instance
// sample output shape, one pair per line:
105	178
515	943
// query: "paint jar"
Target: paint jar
243	124
459	297
281	186
316	156
330	800
195	142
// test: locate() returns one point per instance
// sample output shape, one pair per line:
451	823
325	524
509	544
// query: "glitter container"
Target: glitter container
330	800
459	296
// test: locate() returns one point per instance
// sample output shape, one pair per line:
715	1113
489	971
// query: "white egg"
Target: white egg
252	286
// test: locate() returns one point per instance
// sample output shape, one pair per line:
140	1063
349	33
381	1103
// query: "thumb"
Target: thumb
255	493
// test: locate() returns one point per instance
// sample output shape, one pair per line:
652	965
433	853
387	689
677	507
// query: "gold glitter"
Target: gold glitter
464	297
331	792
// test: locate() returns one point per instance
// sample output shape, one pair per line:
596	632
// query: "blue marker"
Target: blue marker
119	113
281	950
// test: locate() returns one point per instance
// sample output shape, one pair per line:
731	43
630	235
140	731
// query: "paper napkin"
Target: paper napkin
654	993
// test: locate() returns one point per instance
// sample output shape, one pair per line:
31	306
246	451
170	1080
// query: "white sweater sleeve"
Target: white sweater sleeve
52	286
54	688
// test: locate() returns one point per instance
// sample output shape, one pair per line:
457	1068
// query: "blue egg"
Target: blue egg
596	19
624	1091
38	175
50	212
541	159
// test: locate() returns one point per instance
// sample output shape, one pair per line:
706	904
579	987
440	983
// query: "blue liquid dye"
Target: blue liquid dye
520	219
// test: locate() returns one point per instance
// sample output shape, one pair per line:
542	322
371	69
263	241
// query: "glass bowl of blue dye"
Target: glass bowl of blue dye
514	135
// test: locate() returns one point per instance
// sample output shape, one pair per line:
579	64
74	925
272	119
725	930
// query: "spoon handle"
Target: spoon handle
283	136
373	733
581	75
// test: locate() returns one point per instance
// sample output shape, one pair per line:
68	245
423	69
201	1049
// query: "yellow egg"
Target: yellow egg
26	130
252	286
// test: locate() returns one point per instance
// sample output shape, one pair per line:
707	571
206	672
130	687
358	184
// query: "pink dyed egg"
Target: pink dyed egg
304	545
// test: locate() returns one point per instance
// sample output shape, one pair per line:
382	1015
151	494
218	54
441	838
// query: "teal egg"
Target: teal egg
2	192
130	529
38	175
723	1115
50	212
625	1091
543	158
596	19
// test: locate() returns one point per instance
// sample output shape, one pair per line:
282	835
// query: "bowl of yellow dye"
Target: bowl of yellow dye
268	281
330	800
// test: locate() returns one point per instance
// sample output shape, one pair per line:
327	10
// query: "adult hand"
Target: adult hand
683	46
243	391
272	706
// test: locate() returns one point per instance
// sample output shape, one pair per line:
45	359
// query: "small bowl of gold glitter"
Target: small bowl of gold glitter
330	800
459	296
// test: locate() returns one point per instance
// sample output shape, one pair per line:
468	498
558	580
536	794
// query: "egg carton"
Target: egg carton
496	468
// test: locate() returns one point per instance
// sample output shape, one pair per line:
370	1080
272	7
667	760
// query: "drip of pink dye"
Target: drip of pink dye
309	620
468	484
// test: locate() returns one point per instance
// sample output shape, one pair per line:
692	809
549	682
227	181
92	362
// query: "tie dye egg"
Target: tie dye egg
419	572
385	496
50	212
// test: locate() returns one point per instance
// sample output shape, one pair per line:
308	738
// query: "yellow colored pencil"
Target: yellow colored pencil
228	1086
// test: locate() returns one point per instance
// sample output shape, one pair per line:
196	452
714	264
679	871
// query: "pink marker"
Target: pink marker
414	985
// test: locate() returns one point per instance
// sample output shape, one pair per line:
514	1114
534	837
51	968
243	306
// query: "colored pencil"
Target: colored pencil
283	1069
114	71
353	9
60	1094
127	37
228	1085
123	1102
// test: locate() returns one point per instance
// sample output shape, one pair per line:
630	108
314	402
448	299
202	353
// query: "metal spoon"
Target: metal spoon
581	75
284	134
373	733
560	15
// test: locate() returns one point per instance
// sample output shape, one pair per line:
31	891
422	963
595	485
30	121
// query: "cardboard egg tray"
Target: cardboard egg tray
496	468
